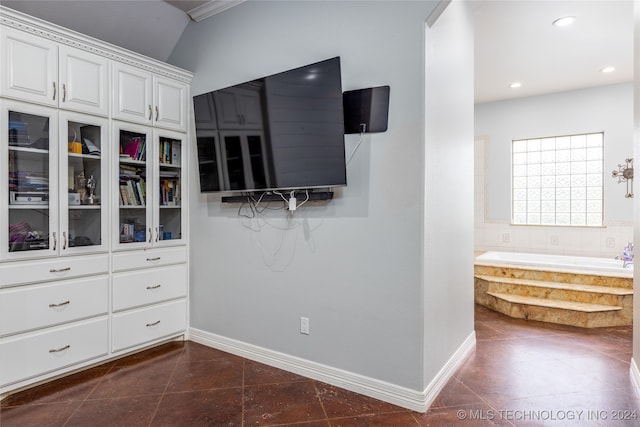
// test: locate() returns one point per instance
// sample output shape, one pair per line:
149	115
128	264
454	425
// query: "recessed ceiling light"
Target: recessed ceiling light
564	21
608	69
515	85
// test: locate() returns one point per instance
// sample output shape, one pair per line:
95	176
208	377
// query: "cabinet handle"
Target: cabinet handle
59	270
64	92
157	113
55	241
150	234
54	91
153	259
150	112
58	350
153	287
64	240
153	324
157	234
60	304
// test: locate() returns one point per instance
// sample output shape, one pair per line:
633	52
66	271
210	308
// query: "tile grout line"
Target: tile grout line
324	411
164	392
89	393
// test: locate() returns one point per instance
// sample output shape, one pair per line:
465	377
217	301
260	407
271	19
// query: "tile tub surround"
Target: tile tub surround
571	297
517	366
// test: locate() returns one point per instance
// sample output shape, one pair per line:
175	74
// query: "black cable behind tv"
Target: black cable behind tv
366	110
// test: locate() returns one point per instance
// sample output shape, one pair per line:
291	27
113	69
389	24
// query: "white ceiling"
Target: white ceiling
514	39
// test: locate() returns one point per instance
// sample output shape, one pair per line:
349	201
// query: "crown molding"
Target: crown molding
10	18
211	8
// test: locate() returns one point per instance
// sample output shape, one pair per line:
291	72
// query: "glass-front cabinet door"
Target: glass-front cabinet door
29	222
133	226
150	196
83	183
168	179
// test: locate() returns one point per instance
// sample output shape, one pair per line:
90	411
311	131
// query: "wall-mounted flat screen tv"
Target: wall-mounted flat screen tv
284	131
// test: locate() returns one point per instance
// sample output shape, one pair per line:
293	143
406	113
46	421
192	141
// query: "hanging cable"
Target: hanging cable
363	127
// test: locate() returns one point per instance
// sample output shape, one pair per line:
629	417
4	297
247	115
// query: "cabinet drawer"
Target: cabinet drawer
22	273
38	353
148	324
27	308
156	257
138	288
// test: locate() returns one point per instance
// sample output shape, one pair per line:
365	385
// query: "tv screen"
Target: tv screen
284	131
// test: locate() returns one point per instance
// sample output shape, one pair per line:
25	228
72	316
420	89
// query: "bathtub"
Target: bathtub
564	263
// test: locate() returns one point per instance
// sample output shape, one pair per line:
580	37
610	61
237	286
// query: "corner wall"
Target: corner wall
448	203
355	266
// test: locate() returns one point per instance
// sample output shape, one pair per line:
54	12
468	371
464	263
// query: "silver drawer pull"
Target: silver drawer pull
58	350
153	324
153	287
59	270
153	259
60	304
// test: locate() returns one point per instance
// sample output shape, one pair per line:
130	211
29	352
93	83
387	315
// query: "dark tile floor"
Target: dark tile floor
520	374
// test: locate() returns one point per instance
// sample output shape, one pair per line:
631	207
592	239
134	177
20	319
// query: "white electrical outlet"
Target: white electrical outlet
555	240
611	242
506	237
304	325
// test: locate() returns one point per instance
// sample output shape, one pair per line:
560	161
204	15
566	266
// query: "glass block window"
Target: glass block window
558	180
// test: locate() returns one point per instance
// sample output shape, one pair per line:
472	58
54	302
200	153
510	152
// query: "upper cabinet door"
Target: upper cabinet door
41	71
132	92
30	68
83	82
170	99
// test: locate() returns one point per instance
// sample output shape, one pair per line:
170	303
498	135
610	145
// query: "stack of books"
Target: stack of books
132	186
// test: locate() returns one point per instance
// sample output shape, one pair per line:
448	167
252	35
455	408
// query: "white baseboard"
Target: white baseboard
442	377
634	372
392	393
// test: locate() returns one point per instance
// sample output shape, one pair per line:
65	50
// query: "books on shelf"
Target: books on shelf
170	152
132	186
28	181
170	192
135	148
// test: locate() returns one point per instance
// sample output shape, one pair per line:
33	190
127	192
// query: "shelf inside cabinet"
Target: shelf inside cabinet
85	207
130	161
28	150
85	156
29	207
169	166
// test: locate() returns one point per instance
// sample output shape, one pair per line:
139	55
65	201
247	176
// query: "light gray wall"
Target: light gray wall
354	266
606	108
448	242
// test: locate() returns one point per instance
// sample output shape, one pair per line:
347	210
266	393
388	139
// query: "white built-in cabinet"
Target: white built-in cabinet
141	97
54	195
150	199
48	73
88	271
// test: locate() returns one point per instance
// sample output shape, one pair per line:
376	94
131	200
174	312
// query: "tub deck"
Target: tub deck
578	298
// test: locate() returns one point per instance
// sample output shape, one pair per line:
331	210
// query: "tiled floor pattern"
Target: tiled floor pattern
520	374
